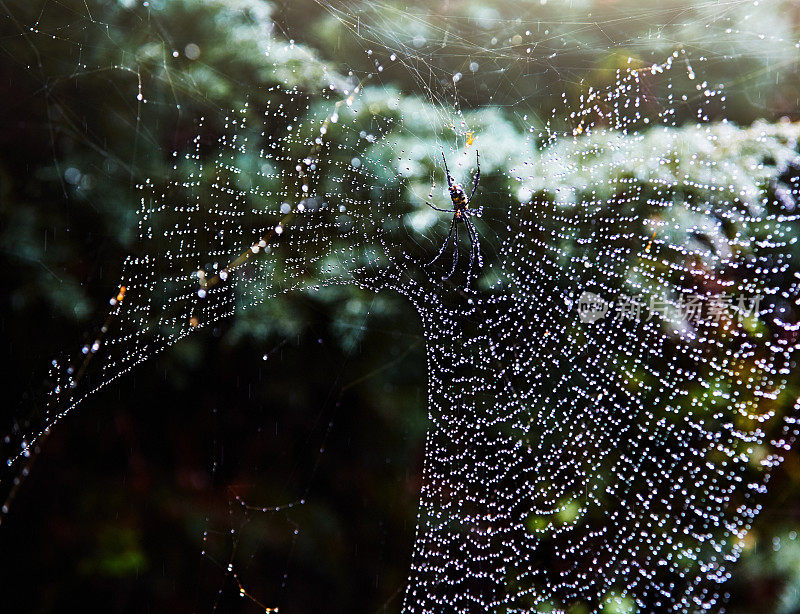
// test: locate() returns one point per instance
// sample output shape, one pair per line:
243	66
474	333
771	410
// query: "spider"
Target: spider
461	213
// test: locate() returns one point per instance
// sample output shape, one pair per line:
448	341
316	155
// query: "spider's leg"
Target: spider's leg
476	245
471	234
455	251
477	175
478	252
478	211
447	172
442	210
446	241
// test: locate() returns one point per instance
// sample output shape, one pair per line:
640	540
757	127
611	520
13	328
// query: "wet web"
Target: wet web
609	384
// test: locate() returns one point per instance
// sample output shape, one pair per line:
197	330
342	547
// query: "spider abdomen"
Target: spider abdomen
459	197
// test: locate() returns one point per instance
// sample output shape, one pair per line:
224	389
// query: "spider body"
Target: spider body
461	213
459	198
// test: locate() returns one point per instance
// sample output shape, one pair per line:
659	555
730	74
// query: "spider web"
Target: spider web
574	463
